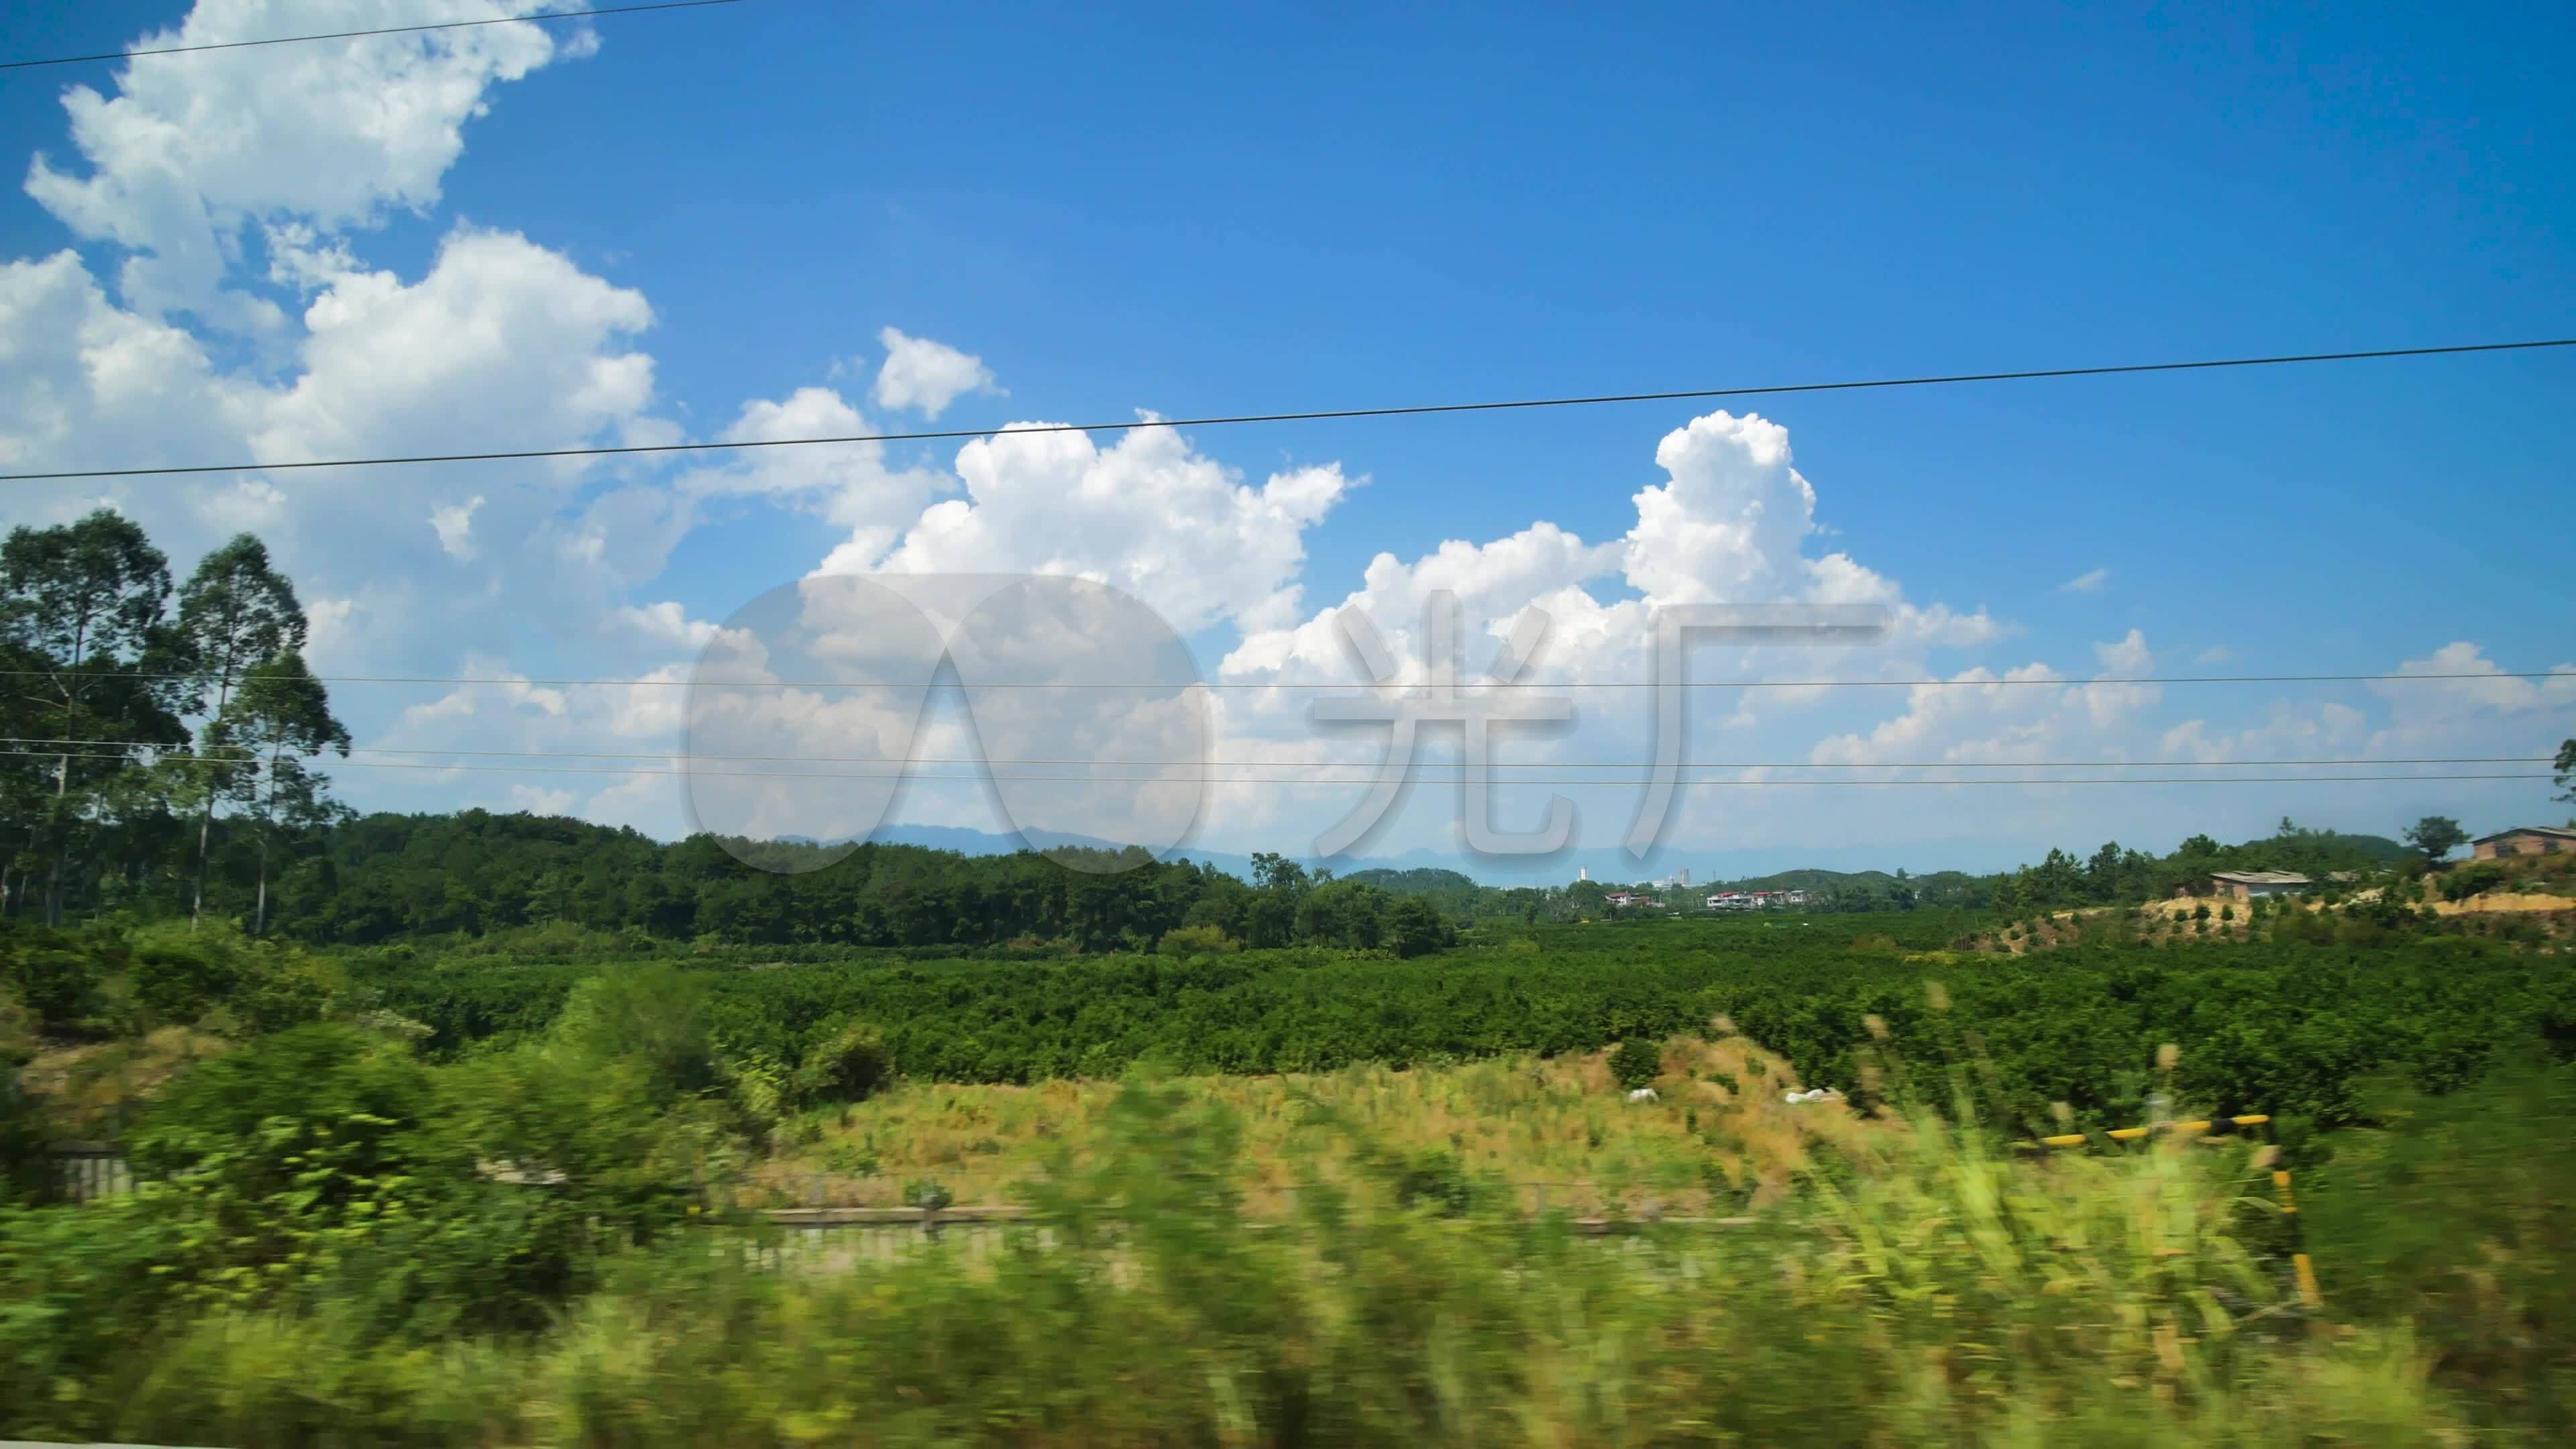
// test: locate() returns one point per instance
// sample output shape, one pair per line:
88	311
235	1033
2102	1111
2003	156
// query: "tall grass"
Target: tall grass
1931	1287
1716	1139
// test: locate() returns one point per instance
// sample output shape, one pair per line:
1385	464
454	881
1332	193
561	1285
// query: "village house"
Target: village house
2247	885
2524	840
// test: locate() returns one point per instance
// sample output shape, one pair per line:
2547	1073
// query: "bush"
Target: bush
180	981
1192	940
53	976
847	1063
1435	1180
2471	880
1636	1063
653	1015
1415	927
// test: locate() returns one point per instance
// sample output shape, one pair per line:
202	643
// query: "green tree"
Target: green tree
2436	836
656	1017
1636	1063
275	726
81	607
235	612
1415	927
2566	769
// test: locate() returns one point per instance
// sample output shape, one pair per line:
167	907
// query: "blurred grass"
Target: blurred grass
1924	1285
2459	1213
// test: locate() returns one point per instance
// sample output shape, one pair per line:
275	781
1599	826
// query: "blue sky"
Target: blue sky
1202	212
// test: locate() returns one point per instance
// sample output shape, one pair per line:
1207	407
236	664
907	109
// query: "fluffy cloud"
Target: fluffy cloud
1729	525
849	484
454	525
327	135
927	376
2088	582
1147	515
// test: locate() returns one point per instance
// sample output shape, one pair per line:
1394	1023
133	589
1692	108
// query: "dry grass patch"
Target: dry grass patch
1718	1137
88	1090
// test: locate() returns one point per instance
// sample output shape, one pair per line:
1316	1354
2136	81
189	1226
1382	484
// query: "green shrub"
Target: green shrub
1415	927
654	1015
1636	1063
2471	880
53	976
848	1062
1192	940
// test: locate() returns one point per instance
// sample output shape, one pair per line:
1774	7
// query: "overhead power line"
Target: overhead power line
50	747
1351	684
1417	410
356	34
975	779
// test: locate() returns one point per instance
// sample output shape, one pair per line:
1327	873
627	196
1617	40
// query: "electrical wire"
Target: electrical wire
1352	684
1416	410
691	756
1257	780
356	34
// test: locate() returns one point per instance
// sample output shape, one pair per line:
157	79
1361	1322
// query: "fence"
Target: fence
89	1171
93	1170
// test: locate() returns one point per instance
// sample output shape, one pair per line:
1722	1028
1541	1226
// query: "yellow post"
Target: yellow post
2299	1261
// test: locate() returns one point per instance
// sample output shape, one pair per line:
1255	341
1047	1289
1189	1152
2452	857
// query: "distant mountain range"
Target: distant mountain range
1741	869
1611	865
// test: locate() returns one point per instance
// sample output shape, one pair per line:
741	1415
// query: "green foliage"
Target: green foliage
846	1063
1636	1063
2471	880
2436	836
2453	1215
26	1174
55	976
1944	1295
654	1016
1193	940
1415	927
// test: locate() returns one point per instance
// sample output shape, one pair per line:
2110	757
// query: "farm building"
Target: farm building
2524	840
2246	885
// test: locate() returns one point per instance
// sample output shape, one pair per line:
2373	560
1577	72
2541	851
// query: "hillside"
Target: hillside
1423	881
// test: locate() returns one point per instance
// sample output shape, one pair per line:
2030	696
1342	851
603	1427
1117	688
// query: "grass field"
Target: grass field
1719	1136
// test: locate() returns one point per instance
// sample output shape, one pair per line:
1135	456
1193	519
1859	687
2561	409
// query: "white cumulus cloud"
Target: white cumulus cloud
926	376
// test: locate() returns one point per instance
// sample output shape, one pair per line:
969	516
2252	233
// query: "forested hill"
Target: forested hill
383	877
1422	881
1846	880
386	877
